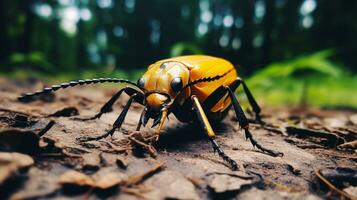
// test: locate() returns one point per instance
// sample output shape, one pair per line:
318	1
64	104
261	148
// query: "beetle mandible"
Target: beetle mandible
194	88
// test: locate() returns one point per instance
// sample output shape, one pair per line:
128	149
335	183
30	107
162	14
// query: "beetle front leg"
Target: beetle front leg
161	123
108	106
117	124
243	122
202	118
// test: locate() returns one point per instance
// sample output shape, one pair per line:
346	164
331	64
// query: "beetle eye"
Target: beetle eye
176	84
141	82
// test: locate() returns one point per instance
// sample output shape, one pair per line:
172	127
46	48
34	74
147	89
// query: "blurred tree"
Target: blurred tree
26	8
269	27
130	34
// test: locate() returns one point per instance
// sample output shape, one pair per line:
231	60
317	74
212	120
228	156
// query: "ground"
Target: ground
42	157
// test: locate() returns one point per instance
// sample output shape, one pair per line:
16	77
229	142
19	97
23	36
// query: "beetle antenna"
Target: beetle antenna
30	96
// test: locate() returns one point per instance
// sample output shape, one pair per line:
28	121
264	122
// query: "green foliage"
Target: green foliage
184	48
312	78
33	61
301	68
331	92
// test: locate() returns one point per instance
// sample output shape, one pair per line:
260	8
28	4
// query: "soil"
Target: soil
41	156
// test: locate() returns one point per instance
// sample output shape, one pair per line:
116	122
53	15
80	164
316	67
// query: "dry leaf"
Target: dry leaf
40	184
91	161
351	190
103	179
11	163
107	178
170	185
227	182
72	177
19	141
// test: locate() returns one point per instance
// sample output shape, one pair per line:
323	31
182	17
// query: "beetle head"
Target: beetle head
162	84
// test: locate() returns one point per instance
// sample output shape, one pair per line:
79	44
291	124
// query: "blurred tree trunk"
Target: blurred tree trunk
81	44
4	38
247	36
289	34
25	46
269	24
81	47
55	32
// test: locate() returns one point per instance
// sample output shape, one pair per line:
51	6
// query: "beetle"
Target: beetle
194	88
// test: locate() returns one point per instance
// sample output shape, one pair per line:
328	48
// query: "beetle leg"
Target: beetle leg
108	107
243	122
117	124
253	103
162	120
202	118
140	121
218	94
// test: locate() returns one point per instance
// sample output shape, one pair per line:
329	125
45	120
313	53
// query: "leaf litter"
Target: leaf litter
180	166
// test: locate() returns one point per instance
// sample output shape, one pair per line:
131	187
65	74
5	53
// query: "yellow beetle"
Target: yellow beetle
195	88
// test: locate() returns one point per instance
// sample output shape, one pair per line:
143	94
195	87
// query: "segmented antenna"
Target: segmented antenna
31	96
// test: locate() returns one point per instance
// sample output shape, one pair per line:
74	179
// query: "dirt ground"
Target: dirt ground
41	156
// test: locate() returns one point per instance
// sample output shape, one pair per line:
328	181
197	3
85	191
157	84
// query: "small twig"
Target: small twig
348	145
332	187
47	128
147	147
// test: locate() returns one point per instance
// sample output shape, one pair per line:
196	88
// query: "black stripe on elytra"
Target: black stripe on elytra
207	79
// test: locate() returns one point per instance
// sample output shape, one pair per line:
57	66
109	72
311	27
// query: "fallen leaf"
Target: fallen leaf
107	178
91	161
332	139
11	163
170	185
336	122
351	190
40	184
135	179
226	182
19	141
73	177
